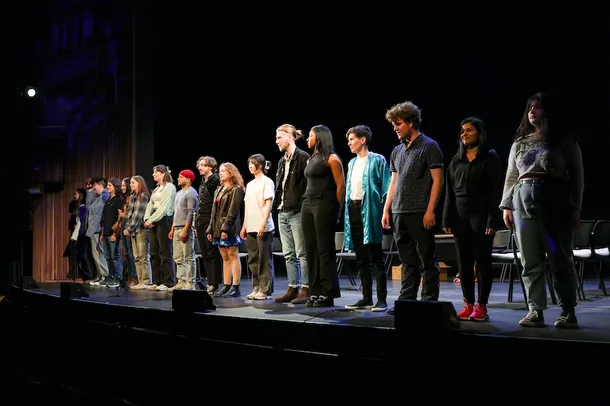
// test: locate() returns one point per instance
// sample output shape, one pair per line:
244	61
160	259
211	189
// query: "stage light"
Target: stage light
31	92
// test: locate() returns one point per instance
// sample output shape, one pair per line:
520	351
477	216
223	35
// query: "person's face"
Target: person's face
123	187
253	168
134	185
535	113
469	135
158	176
223	174
89	184
182	180
311	140
354	143
76	195
97	187
203	168
403	129
283	139
110	188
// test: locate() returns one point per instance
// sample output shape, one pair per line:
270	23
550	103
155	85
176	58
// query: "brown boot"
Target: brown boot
303	296
290	294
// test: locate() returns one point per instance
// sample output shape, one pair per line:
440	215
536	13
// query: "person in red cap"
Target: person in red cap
182	233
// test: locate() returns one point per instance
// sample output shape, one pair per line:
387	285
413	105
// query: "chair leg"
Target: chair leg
600	276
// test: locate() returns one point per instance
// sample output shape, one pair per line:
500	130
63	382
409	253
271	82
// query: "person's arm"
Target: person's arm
268	195
510	180
339	176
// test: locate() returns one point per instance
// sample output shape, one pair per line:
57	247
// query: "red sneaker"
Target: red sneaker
465	313
479	313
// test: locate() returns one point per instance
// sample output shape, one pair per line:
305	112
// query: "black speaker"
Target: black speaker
27	282
425	317
72	290
192	301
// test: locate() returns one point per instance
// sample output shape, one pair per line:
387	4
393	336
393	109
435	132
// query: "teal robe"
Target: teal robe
375	184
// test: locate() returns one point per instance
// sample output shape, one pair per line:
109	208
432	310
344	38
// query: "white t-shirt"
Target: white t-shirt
257	191
356	178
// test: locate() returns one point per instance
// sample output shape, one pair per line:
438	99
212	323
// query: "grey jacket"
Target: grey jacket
95	204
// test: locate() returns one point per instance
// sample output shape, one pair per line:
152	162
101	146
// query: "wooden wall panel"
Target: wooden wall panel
87	60
109	157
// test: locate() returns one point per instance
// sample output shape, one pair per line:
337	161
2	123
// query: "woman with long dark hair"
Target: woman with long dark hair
319	215
542	200
473	190
130	262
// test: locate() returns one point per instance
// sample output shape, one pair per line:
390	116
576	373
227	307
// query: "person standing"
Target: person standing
542	200
416	165
473	189
182	233
290	186
322	204
368	179
258	227
210	256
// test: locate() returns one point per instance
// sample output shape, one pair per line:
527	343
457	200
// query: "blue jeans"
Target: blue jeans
112	254
293	247
130	261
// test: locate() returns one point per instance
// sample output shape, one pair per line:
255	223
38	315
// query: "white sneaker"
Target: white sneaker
162	288
251	295
260	296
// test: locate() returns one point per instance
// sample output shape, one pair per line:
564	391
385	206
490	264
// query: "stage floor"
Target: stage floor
593	313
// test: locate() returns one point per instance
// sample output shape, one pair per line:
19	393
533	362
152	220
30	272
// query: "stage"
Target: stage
137	338
593	313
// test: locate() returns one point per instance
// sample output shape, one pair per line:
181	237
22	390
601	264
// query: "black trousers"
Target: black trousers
318	219
367	256
162	253
417	252
79	259
210	258
473	246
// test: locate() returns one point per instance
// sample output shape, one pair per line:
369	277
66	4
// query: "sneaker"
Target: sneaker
178	286
380	306
567	319
260	296
465	313
251	295
534	318
479	313
360	305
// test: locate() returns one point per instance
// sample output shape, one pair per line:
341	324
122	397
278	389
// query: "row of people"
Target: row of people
311	190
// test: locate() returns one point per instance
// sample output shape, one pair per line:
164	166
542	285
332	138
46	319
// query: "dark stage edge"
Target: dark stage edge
137	334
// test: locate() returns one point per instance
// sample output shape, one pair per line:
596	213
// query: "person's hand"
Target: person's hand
507	216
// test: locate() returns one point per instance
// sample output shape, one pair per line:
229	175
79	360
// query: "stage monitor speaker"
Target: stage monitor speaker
72	290
425	316
192	301
27	282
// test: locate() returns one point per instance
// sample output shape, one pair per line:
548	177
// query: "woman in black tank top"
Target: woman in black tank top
321	208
